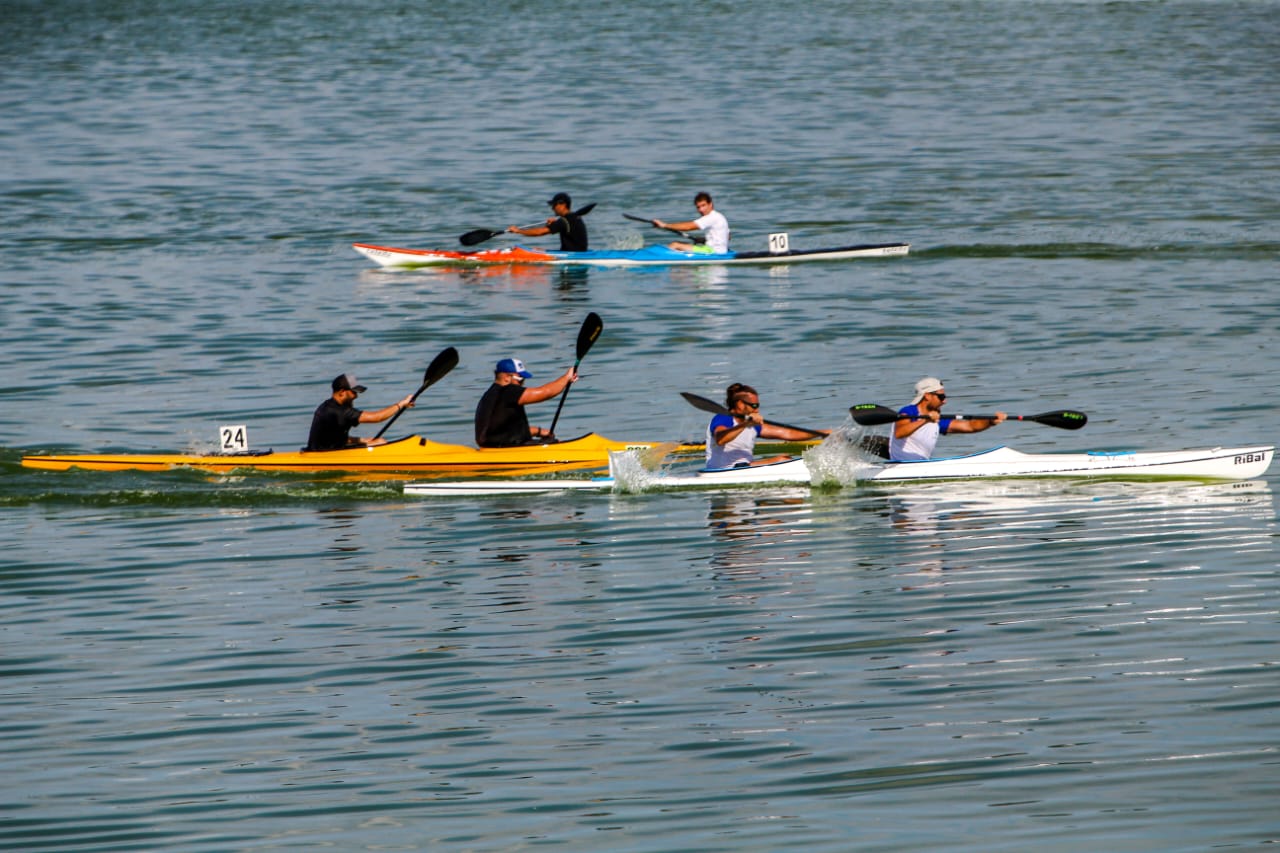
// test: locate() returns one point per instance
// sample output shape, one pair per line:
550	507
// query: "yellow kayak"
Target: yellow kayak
411	455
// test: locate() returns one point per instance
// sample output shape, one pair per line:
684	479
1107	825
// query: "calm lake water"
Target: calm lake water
1091	191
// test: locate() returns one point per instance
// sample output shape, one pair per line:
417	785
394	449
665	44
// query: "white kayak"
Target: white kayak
1218	463
792	471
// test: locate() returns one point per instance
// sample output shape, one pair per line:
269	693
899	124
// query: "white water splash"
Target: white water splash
629	472
842	459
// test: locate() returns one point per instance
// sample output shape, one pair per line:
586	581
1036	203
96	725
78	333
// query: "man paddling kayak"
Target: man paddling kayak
914	436
710	222
334	418
569	225
731	438
500	416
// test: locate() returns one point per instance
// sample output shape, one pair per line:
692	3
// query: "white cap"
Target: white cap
927	385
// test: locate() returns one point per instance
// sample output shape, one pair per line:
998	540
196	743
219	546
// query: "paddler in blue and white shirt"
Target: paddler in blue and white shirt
914	436
710	222
731	438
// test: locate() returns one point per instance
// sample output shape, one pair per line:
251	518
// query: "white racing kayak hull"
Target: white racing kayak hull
790	472
1218	463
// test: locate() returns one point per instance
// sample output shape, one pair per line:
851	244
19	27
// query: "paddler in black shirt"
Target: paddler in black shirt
500	417
335	417
570	227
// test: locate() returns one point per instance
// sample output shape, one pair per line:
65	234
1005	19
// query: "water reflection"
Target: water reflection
561	279
946	526
749	527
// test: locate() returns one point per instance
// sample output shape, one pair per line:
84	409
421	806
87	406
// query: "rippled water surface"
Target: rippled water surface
285	662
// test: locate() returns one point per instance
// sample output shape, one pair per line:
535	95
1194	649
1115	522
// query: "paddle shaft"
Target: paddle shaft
472	238
663	227
871	414
587	334
715	408
440	365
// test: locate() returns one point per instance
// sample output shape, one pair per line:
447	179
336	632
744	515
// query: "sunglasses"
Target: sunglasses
750	405
939	394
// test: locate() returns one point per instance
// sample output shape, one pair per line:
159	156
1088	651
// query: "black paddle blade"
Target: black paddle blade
703	404
585	209
440	365
479	235
591	329
870	414
1062	419
715	408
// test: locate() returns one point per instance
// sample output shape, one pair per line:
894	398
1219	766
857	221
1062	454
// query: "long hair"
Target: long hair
735	392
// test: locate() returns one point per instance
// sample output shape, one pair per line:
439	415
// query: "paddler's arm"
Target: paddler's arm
390	411
725	434
535	231
785	434
976	424
675	226
378	417
551	389
906	426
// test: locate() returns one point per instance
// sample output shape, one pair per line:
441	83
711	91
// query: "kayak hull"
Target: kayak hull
411	455
1218	463
791	472
392	257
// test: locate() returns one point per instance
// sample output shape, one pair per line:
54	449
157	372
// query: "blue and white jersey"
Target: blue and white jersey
738	451
919	445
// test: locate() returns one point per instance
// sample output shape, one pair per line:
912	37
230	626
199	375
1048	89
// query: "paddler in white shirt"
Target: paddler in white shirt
731	438
710	222
914	437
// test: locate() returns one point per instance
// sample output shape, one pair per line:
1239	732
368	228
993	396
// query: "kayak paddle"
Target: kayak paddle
696	239
440	365
479	235
591	329
716	409
870	414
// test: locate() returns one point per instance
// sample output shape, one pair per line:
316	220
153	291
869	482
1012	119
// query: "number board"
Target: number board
233	439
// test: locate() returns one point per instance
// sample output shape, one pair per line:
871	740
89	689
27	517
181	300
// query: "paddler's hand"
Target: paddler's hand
571	375
513	229
658	223
406	403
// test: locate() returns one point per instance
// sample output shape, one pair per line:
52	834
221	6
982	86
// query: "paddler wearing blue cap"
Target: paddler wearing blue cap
500	416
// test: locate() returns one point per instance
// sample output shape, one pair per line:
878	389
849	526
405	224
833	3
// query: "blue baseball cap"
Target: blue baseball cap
512	365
